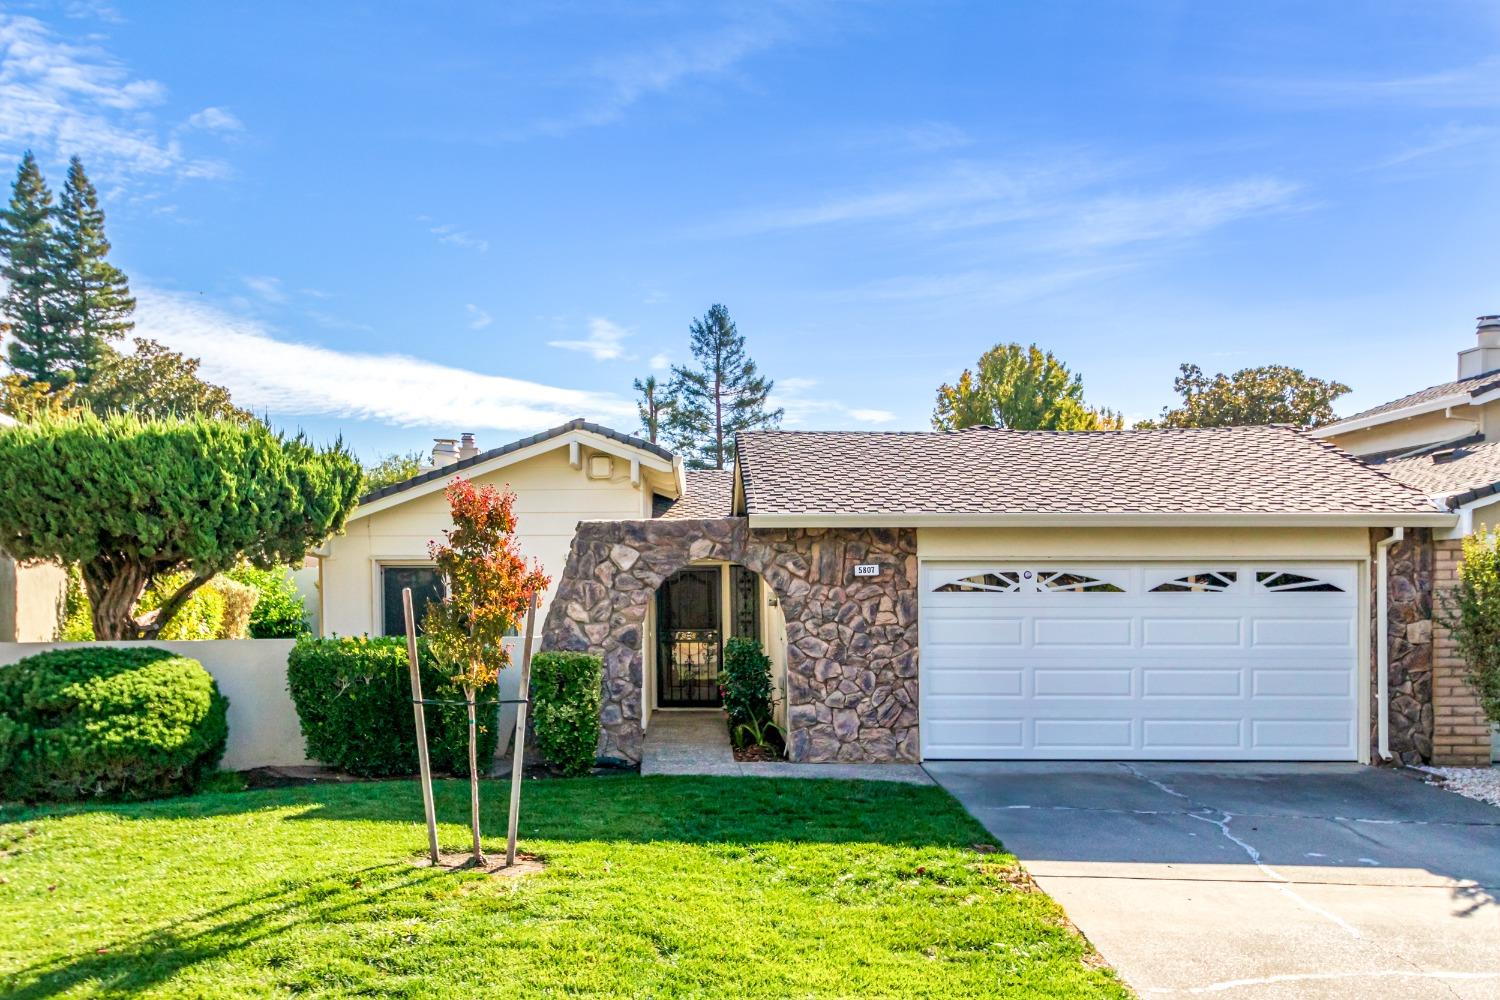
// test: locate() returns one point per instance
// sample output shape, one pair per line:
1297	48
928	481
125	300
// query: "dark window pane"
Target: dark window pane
425	587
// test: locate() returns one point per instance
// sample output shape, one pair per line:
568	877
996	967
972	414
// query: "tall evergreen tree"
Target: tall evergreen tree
653	406
28	263
721	395
94	299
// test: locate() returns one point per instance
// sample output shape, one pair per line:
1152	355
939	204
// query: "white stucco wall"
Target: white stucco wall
551	498
31	600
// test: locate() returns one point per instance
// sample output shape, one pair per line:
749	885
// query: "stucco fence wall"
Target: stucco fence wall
251	673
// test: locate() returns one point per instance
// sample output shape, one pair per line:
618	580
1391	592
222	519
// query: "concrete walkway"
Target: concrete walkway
697	742
1257	881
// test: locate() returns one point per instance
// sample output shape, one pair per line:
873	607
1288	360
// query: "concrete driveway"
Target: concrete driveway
1264	880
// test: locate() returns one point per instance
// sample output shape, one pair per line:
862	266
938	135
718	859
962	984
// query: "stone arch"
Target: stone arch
851	644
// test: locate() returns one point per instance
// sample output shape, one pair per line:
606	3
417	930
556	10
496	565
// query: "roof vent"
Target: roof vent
1445	456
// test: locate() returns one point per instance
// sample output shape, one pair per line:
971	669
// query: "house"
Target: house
1443	440
1168	594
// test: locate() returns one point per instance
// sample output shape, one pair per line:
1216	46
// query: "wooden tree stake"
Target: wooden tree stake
417	707
520	748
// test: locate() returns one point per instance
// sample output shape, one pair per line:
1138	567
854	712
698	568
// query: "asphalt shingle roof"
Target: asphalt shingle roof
1448	470
709	494
1471	386
1271	470
577	423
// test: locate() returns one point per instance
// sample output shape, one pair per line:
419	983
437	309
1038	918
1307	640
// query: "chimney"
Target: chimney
466	446
444	452
1485	356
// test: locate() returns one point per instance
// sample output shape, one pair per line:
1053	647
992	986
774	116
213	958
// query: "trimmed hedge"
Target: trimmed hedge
107	722
565	697
353	698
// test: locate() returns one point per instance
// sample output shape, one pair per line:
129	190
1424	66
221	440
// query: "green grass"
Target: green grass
654	887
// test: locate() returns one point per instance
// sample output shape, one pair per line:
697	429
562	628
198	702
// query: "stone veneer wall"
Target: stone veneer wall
1409	632
1461	734
851	642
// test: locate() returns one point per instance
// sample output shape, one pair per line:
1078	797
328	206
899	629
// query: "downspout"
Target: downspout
1383	642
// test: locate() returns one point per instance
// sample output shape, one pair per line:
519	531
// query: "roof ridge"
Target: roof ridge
1306	434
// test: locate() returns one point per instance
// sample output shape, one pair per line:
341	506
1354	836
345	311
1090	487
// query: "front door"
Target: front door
688	645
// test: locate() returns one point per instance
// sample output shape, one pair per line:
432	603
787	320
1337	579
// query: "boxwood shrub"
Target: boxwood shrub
108	722
353	698
565	695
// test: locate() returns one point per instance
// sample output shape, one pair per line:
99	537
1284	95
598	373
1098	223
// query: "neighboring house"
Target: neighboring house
1445	441
1171	594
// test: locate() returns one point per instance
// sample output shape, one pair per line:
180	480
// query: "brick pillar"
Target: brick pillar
1461	734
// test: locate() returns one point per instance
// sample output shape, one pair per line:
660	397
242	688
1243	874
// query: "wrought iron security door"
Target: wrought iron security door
689	641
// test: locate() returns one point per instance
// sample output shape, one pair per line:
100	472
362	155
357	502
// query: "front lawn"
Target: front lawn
654	887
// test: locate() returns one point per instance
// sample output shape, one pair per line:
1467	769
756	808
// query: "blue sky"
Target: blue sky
392	222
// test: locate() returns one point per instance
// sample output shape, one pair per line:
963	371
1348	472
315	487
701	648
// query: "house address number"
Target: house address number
867	569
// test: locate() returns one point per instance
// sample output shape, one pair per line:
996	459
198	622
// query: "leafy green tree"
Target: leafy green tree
1021	388
720	396
152	382
132	501
94	301
29	264
279	612
652	406
393	468
1271	394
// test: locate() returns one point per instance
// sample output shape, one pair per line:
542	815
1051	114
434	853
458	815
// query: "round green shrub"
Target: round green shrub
108	722
565	696
353	698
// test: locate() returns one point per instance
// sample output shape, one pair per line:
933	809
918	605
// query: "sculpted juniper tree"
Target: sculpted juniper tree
1022	388
133	501
488	586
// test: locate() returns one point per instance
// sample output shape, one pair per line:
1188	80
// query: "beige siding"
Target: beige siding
551	498
1428	428
32	596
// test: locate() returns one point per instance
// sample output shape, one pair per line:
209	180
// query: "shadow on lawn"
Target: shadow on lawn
695	810
148	959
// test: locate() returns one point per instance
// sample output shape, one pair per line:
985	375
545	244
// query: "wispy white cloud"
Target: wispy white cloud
266	287
1179	213
269	374
1475	86
1447	139
613	85
795	395
603	343
215	120
478	318
660	362
454	235
66	98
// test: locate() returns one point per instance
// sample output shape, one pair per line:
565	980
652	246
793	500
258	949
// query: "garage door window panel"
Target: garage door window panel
1212	582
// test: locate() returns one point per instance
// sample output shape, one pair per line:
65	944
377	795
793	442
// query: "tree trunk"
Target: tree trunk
474	775
113	596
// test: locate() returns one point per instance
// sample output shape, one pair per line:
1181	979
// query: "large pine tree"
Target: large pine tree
719	396
94	299
29	265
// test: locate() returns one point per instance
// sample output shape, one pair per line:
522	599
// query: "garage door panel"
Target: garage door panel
1191	683
1303	632
1189	734
1222	666
1082	631
1156	632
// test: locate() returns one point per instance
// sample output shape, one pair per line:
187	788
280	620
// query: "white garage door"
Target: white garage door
1217	661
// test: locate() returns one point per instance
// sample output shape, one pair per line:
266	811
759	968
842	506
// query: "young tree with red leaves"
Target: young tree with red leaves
488	588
